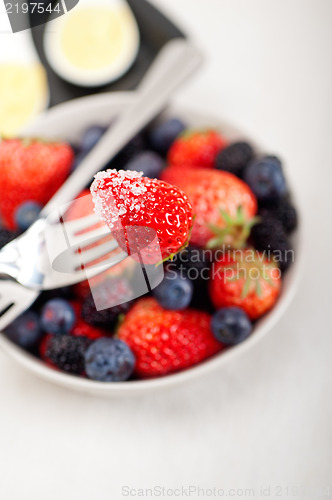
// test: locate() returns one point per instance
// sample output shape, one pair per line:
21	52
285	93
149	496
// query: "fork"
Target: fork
175	62
61	254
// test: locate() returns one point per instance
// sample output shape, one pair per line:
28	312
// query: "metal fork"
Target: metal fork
61	254
75	255
173	65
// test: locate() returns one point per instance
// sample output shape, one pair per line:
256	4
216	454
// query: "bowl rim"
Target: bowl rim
39	368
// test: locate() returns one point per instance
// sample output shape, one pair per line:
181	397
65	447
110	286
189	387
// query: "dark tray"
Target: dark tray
155	30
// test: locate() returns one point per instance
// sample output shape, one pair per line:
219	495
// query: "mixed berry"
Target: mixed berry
214	214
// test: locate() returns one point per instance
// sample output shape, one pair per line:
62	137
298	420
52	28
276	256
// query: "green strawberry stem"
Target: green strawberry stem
243	269
235	232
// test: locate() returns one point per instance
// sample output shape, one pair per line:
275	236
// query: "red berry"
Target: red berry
145	215
196	149
30	170
247	279
166	341
211	192
81	206
82	329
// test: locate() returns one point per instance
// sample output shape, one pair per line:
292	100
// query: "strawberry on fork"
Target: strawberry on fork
146	216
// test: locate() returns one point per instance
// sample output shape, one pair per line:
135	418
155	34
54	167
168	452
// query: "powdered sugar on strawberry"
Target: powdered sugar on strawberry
146	216
125	184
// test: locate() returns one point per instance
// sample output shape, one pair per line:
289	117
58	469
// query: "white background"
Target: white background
266	419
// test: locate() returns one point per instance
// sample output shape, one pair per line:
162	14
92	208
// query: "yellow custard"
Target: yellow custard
93	37
23	93
93	44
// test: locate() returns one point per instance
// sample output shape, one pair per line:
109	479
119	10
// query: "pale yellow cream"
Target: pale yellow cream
23	93
93	37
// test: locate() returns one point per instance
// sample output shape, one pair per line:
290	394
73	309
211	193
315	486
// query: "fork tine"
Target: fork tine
14	293
88	256
89	237
74	226
5	301
90	272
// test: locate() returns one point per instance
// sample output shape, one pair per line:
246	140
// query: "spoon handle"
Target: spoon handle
176	61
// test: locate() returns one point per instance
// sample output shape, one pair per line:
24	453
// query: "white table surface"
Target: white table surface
266	419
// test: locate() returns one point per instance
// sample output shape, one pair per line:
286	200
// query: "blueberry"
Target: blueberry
109	360
162	136
266	179
174	292
231	325
235	157
26	214
148	162
90	137
57	316
25	330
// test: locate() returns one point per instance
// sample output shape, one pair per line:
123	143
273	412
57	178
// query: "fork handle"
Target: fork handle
173	65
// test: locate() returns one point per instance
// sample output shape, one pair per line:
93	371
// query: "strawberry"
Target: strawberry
146	216
196	148
30	170
166	341
247	279
83	329
81	206
223	205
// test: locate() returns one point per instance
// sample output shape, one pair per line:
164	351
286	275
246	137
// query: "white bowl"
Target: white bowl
67	121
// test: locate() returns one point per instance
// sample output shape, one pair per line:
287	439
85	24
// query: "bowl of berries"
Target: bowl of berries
228	246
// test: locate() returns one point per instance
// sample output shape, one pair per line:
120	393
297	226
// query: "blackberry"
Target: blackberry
284	211
67	352
270	236
117	294
235	157
6	236
287	214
